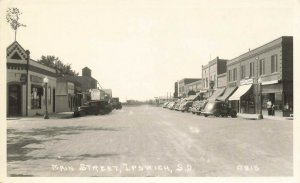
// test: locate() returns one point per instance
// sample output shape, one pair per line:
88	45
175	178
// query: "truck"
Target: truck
99	103
116	104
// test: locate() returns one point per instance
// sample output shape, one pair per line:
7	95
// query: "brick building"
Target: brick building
182	90
265	73
211	75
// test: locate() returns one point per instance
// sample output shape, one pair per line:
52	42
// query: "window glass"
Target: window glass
274	63
36	96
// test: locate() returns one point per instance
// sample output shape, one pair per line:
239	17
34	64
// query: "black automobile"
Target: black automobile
115	103
198	106
218	108
93	107
185	106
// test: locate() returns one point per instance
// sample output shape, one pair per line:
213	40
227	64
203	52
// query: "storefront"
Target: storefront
25	84
243	99
280	97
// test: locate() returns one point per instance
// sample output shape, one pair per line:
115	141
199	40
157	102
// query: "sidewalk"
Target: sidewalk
60	115
255	117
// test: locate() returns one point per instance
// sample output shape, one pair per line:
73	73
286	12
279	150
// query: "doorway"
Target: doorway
14	100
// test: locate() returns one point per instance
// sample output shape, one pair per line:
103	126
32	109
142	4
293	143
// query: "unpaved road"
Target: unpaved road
149	141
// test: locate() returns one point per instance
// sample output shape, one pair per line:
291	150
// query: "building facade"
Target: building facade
195	86
182	90
68	94
211	75
265	73
25	86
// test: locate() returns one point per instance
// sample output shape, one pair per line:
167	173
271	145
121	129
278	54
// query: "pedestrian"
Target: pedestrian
273	110
269	107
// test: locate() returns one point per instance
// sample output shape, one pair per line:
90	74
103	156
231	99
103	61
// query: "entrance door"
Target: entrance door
14	100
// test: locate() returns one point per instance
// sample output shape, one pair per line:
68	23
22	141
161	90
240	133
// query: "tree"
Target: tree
55	62
12	17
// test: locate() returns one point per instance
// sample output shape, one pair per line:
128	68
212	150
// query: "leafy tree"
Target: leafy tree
12	17
55	62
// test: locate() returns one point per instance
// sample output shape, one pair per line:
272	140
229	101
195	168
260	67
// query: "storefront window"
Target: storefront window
36	96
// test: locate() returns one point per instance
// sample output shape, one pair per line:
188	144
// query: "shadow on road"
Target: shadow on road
18	141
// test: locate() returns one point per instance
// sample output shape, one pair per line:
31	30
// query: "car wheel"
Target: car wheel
217	115
205	115
233	114
82	113
193	113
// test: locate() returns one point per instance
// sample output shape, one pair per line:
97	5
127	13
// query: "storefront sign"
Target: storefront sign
246	81
36	79
23	78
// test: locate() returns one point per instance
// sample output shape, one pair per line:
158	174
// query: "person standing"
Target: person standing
269	107
273	110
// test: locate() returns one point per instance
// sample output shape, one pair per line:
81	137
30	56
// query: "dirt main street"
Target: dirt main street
149	141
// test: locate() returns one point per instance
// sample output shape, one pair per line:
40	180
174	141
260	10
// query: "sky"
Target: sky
139	48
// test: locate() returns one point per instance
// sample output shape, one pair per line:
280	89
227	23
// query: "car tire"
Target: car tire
82	113
233	114
205	115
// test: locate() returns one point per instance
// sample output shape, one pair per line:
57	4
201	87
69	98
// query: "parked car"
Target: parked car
93	107
198	106
165	105
176	107
185	106
116	104
171	105
218	108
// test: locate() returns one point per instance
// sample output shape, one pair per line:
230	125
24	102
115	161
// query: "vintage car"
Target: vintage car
165	105
171	105
177	105
93	107
198	106
184	106
218	108
115	103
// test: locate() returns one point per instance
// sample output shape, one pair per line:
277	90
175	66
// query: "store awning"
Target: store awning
227	93
216	94
240	92
192	97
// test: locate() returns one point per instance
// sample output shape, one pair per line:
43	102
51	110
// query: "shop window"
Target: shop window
251	69
274	64
36	96
261	67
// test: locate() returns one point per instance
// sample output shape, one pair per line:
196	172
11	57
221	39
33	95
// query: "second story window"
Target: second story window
274	64
261	67
251	70
234	74
229	76
242	71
